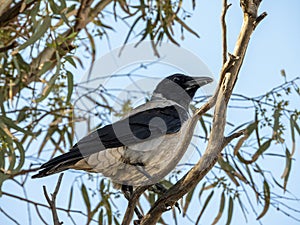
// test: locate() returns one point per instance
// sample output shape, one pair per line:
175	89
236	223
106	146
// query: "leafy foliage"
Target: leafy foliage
40	45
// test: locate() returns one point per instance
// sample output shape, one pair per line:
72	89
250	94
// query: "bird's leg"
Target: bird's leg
128	191
160	189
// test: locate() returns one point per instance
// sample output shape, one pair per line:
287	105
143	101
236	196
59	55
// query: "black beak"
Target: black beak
199	81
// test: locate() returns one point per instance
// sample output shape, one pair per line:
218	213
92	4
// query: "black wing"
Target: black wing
137	128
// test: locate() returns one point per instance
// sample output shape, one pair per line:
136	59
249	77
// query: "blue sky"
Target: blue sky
274	46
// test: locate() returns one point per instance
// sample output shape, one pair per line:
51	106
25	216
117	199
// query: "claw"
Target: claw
178	207
168	207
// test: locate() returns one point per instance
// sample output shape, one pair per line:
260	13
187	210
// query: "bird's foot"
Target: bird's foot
128	191
160	189
169	207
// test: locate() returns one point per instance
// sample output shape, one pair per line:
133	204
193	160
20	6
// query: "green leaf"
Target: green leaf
292	126
22	114
169	35
21	156
267	200
116	221
96	209
228	169
39	32
70	59
108	212
204	206
11	157
2	155
23	65
295	124
221	209
70	85
100	217
230	211
45	68
86	197
131	29
188	201
287	169
151	198
167	184
201	190
57	8
261	150
11	124
48	88
51	131
251	127
186	27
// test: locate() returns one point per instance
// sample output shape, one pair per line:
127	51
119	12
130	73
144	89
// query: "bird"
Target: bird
144	146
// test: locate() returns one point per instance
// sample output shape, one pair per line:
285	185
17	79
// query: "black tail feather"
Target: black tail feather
59	163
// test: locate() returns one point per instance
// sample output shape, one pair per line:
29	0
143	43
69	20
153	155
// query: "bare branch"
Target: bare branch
259	19
22	172
228	77
4	5
39	214
51	201
228	139
68	211
224	29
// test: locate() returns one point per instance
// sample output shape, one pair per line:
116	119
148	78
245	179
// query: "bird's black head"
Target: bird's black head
180	88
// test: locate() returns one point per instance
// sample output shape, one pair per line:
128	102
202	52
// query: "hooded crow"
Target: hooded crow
143	147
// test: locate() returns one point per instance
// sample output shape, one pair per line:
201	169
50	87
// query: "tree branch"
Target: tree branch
228	139
228	77
84	16
51	201
132	202
36	204
4	5
8	14
224	29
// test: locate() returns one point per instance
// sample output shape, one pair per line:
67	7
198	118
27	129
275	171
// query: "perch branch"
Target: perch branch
132	202
228	77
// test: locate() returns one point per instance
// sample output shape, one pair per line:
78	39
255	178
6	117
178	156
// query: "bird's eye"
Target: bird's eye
176	79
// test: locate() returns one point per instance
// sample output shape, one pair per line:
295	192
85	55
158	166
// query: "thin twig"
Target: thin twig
51	201
224	29
8	216
228	139
24	172
41	204
259	19
39	214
